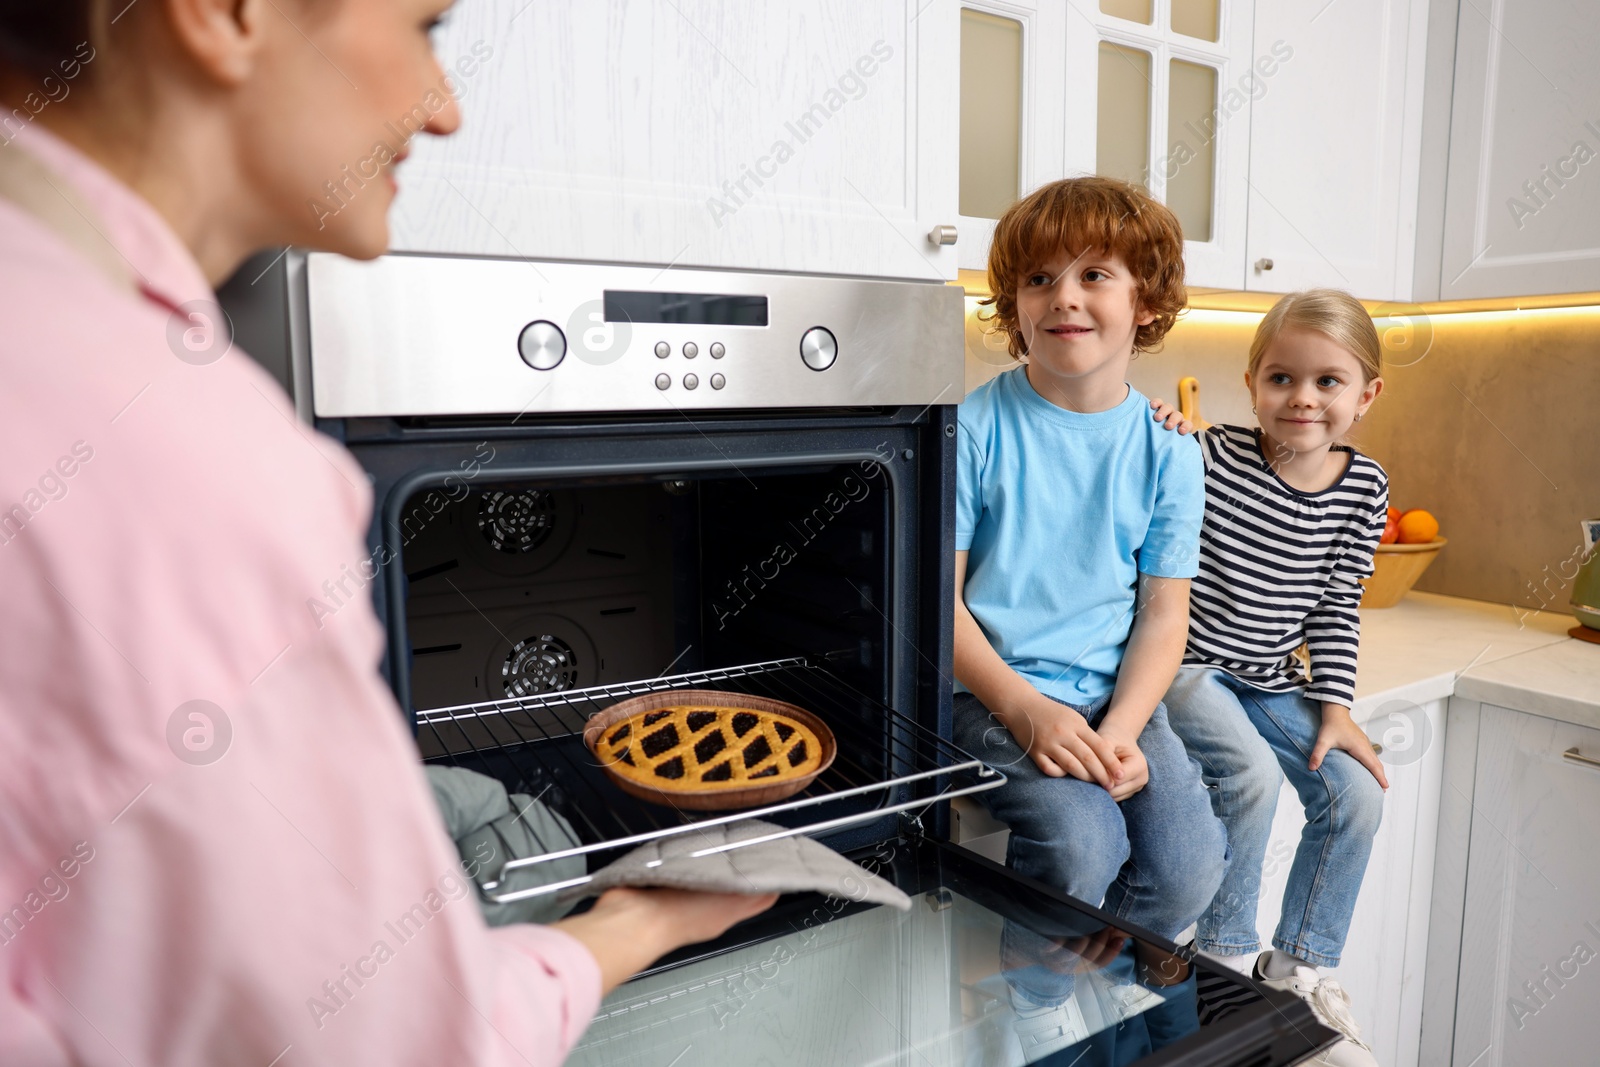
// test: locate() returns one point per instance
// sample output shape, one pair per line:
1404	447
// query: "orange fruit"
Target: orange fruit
1418	527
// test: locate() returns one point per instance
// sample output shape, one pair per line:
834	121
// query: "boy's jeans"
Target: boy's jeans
1156	859
1242	736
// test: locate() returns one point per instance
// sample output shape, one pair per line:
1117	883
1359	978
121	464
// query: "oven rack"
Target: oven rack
886	763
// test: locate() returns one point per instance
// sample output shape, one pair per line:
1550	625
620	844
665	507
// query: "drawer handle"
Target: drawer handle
1572	755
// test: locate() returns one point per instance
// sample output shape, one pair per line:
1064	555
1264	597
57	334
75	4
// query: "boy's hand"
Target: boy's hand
1061	742
1169	417
1135	770
1338	730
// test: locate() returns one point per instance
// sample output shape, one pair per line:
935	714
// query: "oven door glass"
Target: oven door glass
985	969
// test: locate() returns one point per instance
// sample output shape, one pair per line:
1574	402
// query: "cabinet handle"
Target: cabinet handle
1263	264
942	235
1572	755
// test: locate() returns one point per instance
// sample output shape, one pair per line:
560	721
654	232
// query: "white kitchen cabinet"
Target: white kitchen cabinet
1385	954
1529	976
1522	211
1336	145
817	135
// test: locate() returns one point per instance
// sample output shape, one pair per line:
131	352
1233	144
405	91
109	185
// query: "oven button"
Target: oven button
818	348
663	350
718	381
690	350
717	351
663	381
542	345
690	381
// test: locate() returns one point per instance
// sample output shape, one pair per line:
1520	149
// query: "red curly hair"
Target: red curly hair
1074	215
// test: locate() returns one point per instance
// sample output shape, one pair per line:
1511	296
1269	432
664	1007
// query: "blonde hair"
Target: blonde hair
1333	313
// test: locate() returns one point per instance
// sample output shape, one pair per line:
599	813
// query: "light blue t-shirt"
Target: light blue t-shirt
1060	512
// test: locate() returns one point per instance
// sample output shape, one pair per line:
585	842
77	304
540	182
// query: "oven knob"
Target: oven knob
542	345
818	348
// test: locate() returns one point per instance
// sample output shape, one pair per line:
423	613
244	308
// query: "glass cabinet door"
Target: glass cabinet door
991	112
1011	106
1158	93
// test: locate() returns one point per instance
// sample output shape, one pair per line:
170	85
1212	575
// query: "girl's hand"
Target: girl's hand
1170	418
1340	731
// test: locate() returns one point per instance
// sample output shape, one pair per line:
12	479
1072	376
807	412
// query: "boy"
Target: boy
1077	531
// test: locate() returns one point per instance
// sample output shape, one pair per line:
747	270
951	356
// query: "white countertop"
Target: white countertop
1430	646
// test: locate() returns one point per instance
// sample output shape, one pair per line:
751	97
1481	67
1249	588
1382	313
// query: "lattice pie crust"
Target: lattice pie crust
695	746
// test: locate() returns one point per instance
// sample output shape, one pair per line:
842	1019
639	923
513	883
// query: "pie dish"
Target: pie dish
707	750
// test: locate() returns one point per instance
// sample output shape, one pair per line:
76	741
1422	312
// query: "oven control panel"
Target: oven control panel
432	335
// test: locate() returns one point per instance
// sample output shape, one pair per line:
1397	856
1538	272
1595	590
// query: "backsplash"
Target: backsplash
1487	419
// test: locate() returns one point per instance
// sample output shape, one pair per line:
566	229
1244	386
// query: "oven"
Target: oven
593	482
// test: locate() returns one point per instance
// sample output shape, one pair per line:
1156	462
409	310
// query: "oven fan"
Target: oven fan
542	664
517	521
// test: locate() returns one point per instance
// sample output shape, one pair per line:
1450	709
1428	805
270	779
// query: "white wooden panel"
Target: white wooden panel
1530	956
1522	209
813	136
1449	884
1335	144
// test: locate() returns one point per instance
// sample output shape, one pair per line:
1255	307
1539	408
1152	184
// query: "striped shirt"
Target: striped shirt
1279	566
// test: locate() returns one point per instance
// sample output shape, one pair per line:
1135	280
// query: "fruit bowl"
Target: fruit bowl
1397	568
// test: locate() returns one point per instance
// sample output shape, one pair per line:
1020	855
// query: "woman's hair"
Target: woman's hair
1077	215
1333	313
35	36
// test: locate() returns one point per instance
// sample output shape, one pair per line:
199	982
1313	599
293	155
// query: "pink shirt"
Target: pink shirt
163	526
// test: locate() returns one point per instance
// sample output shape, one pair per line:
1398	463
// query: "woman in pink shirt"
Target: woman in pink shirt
216	842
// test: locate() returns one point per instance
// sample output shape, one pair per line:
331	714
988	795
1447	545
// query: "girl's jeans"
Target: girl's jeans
1242	736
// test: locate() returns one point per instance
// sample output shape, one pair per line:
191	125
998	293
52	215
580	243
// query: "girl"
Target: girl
1291	522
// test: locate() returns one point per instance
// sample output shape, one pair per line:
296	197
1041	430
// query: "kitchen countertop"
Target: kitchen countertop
1559	681
1430	646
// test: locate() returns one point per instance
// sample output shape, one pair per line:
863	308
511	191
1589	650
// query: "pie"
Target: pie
698	747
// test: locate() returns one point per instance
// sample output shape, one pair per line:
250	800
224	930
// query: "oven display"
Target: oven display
698	309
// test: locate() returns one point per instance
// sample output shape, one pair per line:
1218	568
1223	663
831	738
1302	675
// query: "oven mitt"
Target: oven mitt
490	828
786	865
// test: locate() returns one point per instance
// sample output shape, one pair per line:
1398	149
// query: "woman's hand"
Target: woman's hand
1338	730
1169	417
1061	741
629	929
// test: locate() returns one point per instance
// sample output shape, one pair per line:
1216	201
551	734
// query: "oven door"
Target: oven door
826	982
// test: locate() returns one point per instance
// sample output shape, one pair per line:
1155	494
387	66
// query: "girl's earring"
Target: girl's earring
1252	409
1358	416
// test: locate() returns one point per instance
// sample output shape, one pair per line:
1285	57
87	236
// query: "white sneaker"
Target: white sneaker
1331	1005
1043	1029
1126	1001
